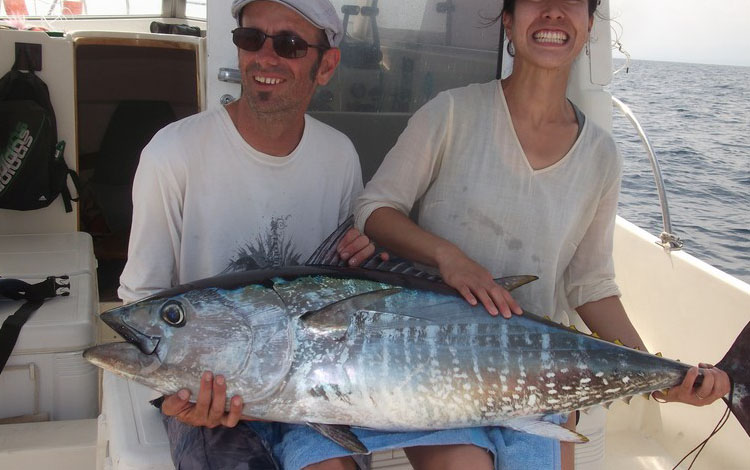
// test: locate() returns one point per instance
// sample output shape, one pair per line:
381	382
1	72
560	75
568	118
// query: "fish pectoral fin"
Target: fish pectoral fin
510	283
333	319
538	426
341	435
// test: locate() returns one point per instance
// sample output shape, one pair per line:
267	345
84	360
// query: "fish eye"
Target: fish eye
173	314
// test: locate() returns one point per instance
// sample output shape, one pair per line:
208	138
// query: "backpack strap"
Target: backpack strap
61	178
65	192
35	295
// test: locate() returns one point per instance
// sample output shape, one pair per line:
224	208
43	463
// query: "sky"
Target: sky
699	31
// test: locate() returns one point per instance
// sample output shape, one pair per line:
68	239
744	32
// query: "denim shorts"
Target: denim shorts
274	446
248	446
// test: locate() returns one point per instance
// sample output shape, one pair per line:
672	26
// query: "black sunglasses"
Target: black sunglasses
285	45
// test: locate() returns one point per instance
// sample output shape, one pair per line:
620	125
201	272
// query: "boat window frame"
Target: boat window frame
169	9
173	8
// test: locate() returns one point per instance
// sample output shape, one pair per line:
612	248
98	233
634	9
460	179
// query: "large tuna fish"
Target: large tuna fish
380	349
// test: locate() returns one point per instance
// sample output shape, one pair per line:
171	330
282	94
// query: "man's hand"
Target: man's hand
356	247
476	284
208	410
715	385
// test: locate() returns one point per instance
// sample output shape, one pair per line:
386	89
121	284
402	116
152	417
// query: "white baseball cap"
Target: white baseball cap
318	12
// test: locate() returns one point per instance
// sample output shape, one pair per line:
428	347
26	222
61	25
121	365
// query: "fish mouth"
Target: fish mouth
147	344
122	358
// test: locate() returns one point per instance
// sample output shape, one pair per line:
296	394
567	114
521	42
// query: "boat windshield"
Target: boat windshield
396	55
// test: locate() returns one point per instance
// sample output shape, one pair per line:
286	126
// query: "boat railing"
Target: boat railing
668	239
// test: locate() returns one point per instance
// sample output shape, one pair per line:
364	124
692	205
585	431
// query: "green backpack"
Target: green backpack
32	168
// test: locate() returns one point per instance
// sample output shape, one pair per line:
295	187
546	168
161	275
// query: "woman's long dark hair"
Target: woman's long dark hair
510	7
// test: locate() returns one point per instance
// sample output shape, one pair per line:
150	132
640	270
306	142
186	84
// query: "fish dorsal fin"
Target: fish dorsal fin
341	435
326	255
333	319
538	426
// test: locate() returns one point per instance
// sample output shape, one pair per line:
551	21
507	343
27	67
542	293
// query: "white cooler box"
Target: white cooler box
131	435
46	377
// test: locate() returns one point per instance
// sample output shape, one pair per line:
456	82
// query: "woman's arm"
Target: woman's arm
400	235
607	317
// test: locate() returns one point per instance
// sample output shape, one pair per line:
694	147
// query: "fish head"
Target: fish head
172	340
144	324
158	326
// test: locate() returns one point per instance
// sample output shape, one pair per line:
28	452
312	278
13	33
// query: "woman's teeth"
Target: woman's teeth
554	37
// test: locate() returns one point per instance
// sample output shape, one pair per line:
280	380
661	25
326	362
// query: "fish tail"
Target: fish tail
735	363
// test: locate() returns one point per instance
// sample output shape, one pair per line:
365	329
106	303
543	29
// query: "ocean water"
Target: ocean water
697	118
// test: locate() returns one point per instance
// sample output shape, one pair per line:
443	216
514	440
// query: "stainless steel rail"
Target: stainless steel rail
668	240
229	75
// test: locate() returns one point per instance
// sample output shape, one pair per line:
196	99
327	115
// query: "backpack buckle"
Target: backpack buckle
61	285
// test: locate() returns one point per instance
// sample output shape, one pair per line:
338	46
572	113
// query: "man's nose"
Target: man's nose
266	53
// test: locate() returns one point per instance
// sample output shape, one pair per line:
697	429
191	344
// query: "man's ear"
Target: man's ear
328	63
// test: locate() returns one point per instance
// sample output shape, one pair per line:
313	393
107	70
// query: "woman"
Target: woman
512	179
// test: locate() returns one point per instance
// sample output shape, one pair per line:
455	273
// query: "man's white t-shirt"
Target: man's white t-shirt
206	202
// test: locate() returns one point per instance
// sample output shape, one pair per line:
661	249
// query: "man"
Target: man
254	184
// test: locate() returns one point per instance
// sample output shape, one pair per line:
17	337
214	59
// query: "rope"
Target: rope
699	448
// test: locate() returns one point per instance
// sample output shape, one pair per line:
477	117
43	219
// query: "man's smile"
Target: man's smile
267	80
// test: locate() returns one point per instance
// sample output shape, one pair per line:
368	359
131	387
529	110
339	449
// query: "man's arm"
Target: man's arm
156	228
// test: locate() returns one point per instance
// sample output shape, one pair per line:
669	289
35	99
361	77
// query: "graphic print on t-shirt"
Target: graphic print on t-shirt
269	250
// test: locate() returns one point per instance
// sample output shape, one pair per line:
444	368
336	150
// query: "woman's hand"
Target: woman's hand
208	410
475	283
715	385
